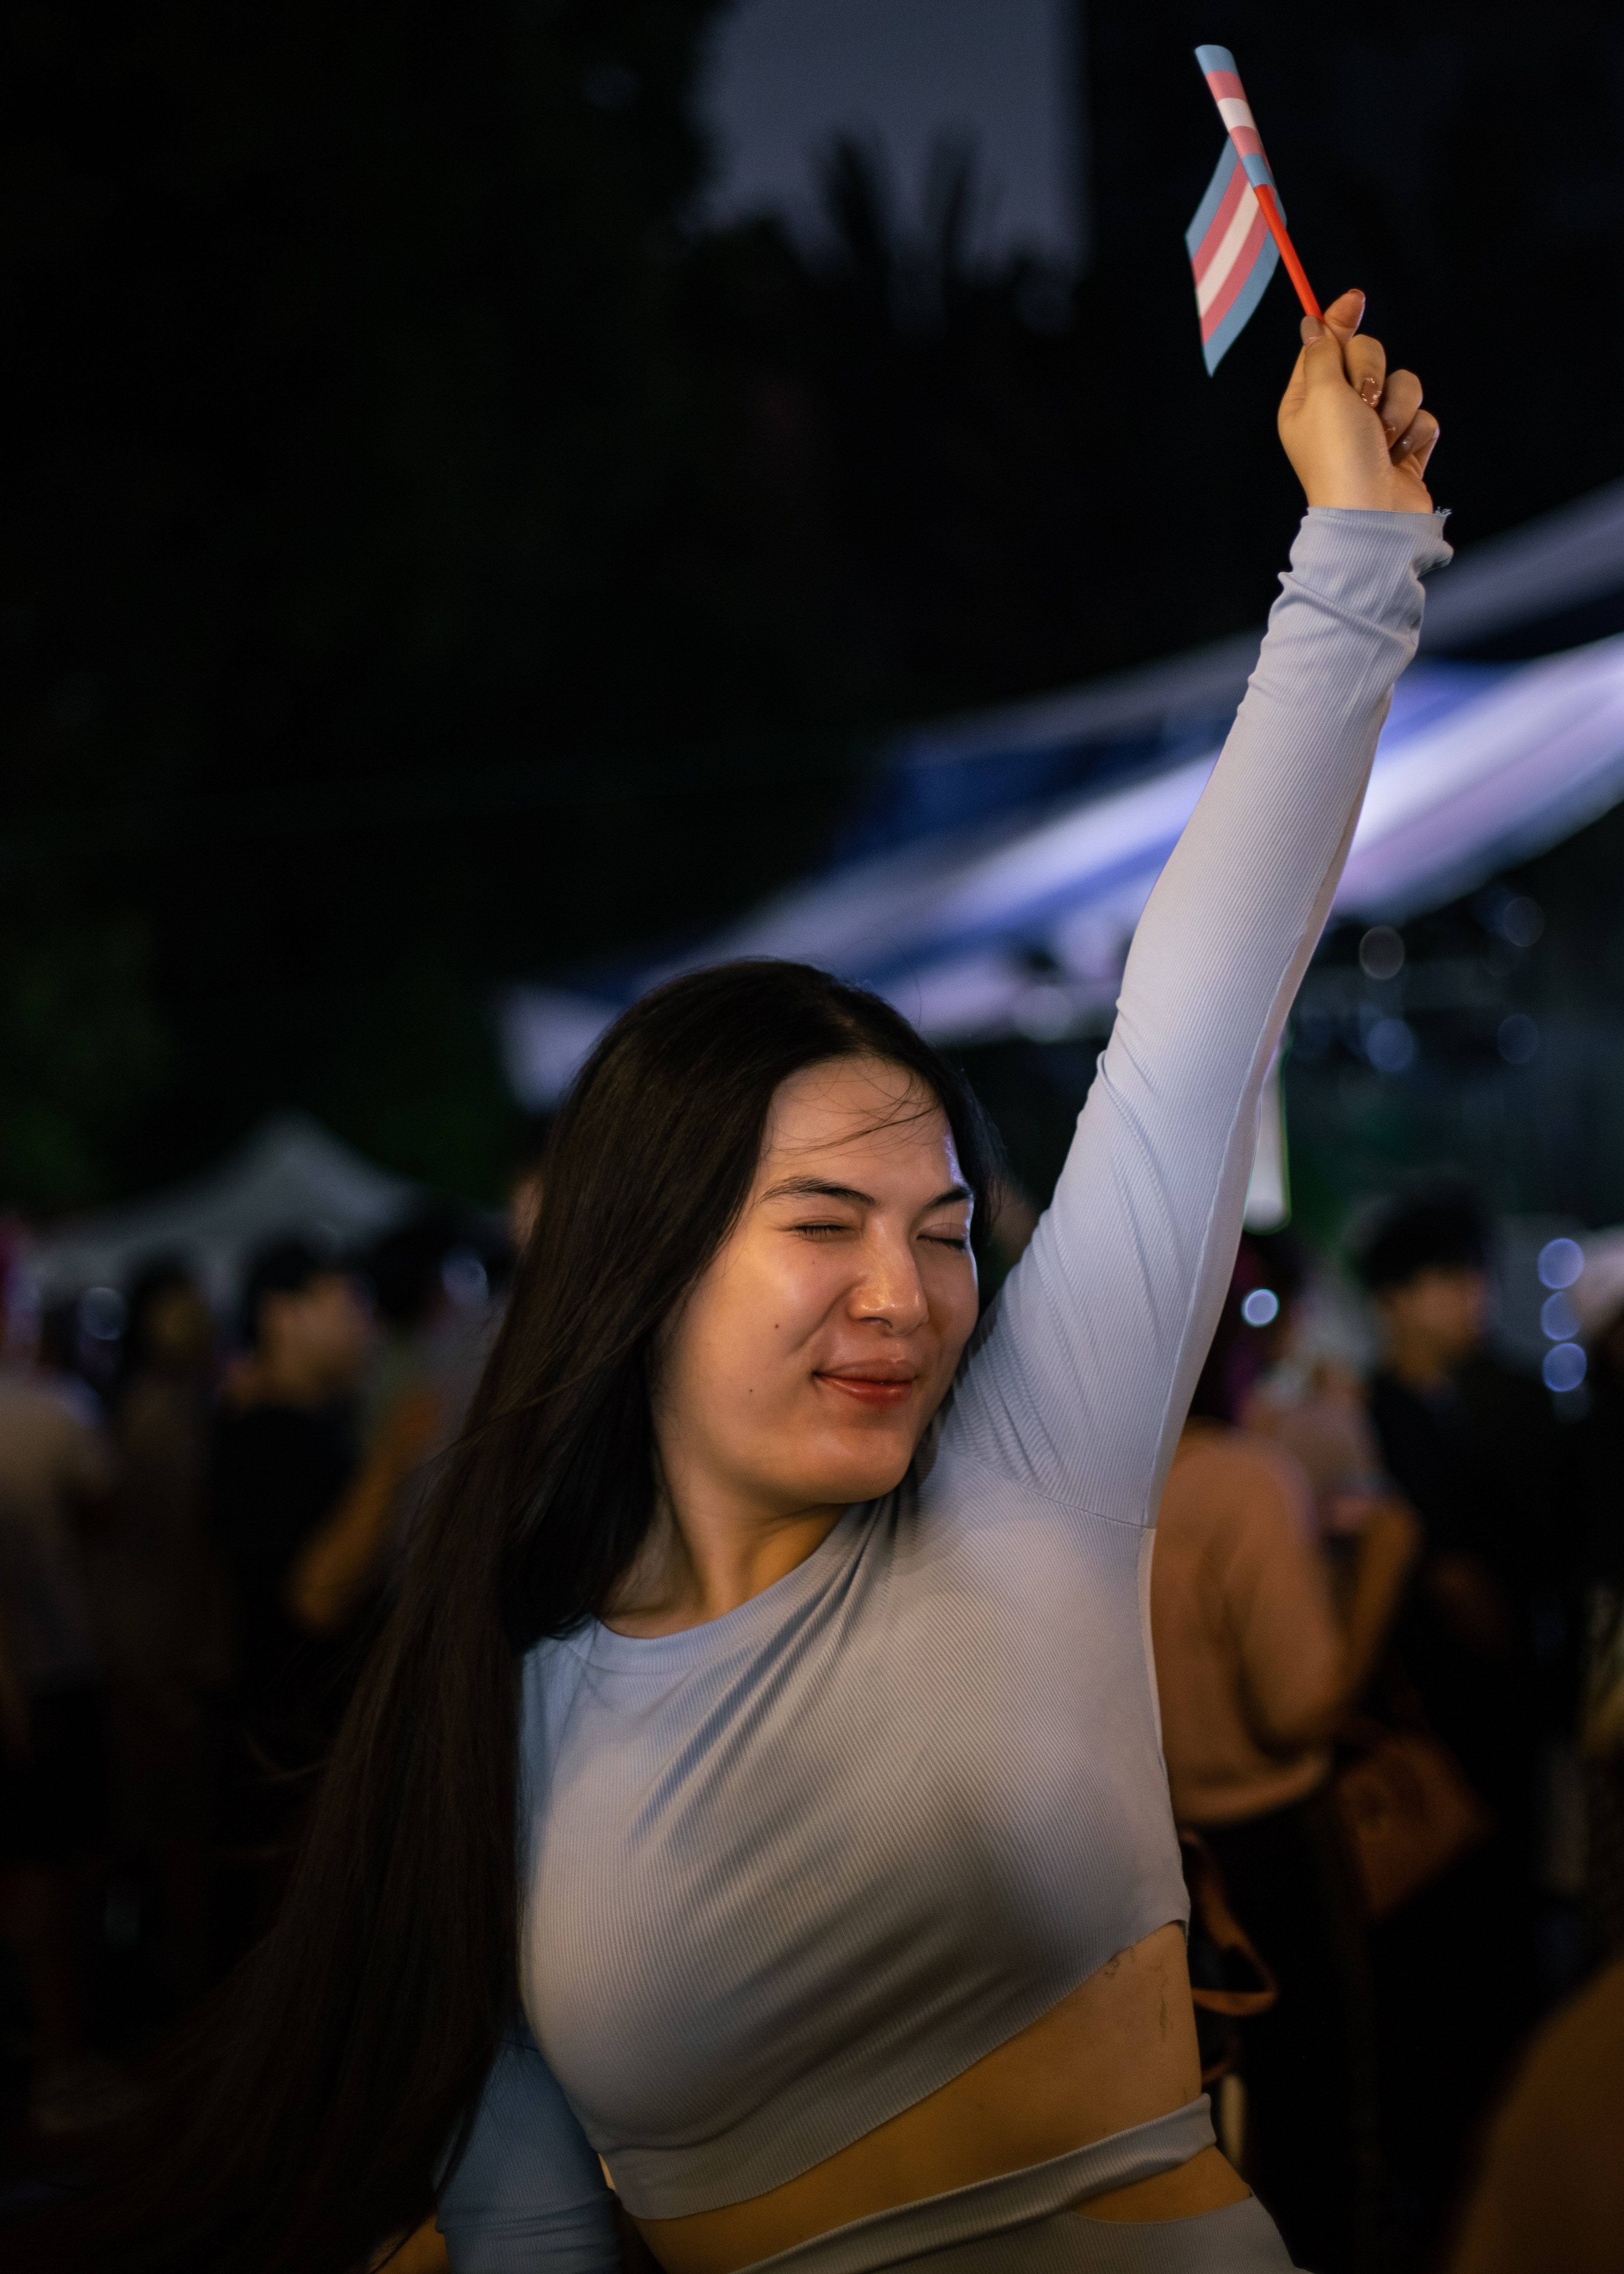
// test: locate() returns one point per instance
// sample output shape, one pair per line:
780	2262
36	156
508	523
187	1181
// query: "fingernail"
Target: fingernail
1370	389
1390	431
1403	445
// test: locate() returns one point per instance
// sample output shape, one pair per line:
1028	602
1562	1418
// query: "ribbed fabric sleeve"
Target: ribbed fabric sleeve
1084	1383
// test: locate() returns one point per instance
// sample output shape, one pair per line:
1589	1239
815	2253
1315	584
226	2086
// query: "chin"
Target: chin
867	1473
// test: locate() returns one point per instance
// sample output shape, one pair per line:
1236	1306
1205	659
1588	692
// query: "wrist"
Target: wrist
1358	497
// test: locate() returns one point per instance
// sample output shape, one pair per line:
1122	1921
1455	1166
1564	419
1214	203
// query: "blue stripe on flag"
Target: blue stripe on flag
1207	211
1242	307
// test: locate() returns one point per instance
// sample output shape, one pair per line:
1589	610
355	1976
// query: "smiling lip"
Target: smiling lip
875	1386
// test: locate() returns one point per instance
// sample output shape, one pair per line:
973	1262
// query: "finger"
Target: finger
1365	362
1401	399
1346	314
1415	445
1320	363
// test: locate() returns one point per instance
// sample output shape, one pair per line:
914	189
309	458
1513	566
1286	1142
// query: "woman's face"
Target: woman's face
802	1370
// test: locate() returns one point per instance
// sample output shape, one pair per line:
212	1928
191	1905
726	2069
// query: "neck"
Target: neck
705	1555
1417	1362
284	1378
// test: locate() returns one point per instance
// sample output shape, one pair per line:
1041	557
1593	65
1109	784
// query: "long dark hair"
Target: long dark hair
308	2118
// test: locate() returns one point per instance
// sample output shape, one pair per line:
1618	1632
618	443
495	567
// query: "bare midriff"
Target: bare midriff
1119	2049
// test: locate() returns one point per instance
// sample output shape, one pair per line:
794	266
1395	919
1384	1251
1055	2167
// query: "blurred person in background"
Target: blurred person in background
1549	2197
285	1453
1596	1447
1306	1397
158	1596
1473	1446
1255	1669
56	1477
433	1298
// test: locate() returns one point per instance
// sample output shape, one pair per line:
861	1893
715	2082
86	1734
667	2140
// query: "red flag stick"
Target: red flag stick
1288	251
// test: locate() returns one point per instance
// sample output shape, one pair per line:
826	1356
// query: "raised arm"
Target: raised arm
1082	1382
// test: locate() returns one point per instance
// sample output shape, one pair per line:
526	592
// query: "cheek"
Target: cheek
749	1319
959	1318
951	1289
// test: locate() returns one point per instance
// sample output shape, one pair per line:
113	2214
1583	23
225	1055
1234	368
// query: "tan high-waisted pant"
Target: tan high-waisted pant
1024	2222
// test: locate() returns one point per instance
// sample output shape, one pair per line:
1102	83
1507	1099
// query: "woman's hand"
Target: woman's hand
1355	432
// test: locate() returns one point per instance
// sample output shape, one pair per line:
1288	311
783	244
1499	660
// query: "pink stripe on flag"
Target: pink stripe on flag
1226	87
1240	188
1248	141
1241	268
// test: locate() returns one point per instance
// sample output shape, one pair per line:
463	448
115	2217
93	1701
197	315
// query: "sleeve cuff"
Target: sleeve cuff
1374	542
1366	565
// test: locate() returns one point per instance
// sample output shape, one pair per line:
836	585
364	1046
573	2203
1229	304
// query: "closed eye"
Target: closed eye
820	1230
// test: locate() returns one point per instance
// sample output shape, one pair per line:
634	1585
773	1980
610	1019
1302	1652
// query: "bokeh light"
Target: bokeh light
1564	1366
1560	1262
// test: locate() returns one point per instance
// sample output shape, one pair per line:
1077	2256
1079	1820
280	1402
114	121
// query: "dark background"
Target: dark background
430	561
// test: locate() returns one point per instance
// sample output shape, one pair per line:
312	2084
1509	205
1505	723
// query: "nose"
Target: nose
891	1291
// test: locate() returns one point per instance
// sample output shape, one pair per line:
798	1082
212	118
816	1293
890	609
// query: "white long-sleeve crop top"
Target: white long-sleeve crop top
789	1873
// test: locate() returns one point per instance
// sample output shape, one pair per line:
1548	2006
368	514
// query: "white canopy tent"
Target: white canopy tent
1024	927
291	1178
1017	920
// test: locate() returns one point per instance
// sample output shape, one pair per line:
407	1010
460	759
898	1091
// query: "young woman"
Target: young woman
758	1786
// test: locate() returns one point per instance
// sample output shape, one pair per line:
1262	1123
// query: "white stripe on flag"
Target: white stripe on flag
1235	112
1227	253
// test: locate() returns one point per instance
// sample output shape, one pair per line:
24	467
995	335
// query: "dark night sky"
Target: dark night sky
429	561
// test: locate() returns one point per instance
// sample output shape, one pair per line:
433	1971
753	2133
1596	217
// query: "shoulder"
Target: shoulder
1504	1394
1238	1464
1249	1501
1407	1426
556	1664
1550	2181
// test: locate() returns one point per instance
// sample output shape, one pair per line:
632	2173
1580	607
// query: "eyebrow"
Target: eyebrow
817	1188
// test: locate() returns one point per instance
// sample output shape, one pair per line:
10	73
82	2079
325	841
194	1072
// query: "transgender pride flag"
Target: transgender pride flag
1230	246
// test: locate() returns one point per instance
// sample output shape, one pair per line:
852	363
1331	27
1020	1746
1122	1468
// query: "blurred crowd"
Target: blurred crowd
1385	1602
1387	1608
202	1521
